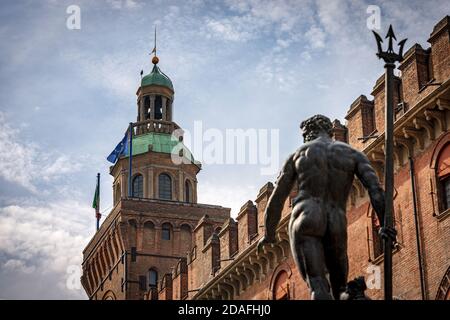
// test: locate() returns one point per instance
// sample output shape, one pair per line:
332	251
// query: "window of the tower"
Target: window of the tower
138	186
152	278
146	108
158	108
165	186
165	231
187	191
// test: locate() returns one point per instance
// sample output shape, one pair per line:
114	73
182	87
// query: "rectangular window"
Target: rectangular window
142	283
165	234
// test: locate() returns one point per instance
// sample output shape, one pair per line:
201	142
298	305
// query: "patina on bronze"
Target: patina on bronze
324	170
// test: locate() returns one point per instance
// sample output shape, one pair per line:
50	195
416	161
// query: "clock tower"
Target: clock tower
149	230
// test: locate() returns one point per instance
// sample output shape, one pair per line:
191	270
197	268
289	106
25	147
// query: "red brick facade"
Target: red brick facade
223	262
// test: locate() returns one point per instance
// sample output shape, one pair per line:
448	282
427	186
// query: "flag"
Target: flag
96	201
154	50
121	149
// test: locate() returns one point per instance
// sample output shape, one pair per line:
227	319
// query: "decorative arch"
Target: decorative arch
440	172
165	189
440	144
443	292
186	225
280	287
109	295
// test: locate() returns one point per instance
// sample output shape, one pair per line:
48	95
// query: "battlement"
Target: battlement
422	71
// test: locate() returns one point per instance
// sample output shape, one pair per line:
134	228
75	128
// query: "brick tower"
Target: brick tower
151	224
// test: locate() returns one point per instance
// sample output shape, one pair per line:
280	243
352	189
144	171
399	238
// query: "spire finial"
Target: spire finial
155	59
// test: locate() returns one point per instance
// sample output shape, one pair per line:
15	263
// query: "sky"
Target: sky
67	95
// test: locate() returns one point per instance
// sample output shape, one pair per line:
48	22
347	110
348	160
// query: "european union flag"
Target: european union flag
121	149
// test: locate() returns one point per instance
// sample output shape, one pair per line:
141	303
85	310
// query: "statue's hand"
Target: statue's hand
389	233
265	240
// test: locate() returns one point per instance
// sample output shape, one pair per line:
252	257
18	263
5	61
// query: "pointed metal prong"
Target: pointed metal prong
401	44
379	41
390	34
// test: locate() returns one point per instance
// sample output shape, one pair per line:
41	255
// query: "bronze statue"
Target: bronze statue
324	170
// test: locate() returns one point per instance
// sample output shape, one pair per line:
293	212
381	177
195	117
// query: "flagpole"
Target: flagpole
98	215
130	160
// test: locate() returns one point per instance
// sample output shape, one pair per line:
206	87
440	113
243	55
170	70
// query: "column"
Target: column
150	183
180	186
164	108
152	107
176	243
123	185
157	238
194	191
142	113
139	236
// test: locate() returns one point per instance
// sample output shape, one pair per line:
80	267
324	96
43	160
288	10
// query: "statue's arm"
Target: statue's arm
282	189
366	174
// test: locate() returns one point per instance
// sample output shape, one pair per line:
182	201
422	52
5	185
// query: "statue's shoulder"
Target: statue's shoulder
343	147
302	149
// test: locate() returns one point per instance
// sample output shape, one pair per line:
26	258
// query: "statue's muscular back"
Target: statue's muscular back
325	171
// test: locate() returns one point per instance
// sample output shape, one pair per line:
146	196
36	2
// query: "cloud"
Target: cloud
124	4
316	37
18	265
43	239
27	164
233	197
237	28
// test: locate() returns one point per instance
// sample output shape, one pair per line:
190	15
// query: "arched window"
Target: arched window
281	286
187	191
165	231
138	186
165	186
109	295
147	110
158	108
443	178
152	278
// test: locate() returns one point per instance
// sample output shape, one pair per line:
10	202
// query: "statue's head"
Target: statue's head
316	126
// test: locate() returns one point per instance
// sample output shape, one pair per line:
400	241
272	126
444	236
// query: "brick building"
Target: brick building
138	252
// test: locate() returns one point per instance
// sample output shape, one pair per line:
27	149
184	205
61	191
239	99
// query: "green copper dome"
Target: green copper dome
157	77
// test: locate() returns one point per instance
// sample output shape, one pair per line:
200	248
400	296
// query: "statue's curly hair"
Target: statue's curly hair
311	127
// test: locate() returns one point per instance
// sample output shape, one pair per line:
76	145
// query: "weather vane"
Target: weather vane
155	59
